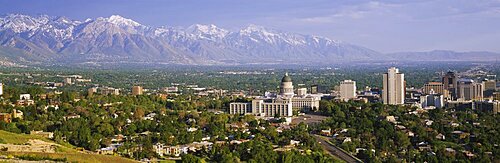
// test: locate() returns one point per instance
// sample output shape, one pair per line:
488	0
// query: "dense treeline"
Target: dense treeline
368	129
103	117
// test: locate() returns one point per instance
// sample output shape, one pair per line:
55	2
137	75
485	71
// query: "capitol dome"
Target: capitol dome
286	78
286	88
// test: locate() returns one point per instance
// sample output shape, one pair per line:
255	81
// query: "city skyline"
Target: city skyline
403	26
249	81
189	110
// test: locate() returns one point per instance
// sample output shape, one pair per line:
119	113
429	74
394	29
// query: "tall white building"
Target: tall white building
393	87
1	89
347	89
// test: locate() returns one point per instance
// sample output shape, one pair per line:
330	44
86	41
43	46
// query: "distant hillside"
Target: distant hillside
116	39
22	145
445	55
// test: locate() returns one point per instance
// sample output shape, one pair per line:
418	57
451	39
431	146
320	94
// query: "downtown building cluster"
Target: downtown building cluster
451	91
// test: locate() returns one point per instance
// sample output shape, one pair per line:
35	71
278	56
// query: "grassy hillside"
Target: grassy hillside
63	151
13	138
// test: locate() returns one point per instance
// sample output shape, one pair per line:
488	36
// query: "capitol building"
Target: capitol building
282	104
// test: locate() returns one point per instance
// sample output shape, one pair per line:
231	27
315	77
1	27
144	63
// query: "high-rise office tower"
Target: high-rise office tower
348	89
468	89
393	87
450	83
490	86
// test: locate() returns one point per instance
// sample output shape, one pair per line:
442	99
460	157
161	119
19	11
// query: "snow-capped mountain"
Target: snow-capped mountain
118	39
208	32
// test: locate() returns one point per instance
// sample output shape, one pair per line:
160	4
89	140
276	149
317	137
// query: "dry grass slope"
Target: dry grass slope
64	151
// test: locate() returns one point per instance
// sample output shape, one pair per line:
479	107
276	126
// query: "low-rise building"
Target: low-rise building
240	108
6	117
487	106
159	149
71	116
263	108
496	96
48	135
137	90
91	91
175	150
301	91
25	100
68	81
326	132
109	91
435	100
17	114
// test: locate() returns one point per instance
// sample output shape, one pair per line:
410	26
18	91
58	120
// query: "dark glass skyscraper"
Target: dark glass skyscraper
450	83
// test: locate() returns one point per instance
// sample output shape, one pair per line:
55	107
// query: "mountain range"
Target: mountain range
44	39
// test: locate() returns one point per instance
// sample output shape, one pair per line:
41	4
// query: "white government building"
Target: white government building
281	105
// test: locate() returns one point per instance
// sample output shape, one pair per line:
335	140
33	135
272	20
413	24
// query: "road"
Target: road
336	151
333	150
308	119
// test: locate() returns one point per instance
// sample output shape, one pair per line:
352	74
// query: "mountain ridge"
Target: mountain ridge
46	39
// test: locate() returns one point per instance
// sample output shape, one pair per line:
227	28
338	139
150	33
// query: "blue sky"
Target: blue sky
385	26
